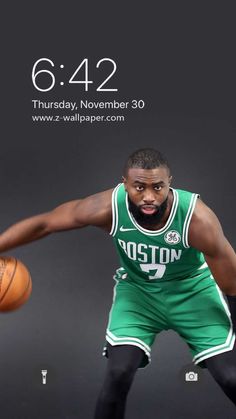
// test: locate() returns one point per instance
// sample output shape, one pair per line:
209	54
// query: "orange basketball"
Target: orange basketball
15	283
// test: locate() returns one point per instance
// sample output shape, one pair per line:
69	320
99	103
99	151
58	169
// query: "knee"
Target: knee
121	374
228	379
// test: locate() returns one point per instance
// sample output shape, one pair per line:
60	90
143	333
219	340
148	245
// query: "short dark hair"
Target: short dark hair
146	158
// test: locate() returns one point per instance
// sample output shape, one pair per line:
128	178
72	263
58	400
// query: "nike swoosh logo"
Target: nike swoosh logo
126	229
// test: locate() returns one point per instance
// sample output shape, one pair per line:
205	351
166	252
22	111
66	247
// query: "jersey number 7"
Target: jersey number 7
147	267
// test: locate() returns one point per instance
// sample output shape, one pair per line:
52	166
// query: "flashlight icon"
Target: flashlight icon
44	373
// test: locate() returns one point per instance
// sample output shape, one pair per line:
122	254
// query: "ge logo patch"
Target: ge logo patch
172	237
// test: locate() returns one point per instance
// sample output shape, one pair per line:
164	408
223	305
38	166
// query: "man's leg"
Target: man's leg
123	362
223	368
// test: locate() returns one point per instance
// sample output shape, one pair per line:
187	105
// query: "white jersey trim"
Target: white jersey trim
127	343
128	338
114	340
227	345
114	211
188	219
220	351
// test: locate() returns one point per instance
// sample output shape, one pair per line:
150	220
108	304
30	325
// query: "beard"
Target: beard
146	219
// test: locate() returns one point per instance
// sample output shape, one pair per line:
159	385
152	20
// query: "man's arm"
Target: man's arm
206	235
94	210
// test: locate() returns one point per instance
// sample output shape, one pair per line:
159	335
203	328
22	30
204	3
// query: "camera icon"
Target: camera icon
191	376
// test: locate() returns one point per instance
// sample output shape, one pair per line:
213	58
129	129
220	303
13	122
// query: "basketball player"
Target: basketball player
175	264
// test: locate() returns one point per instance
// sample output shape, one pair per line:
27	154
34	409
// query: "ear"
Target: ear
124	181
170	179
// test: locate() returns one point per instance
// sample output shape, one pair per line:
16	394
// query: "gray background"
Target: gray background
181	62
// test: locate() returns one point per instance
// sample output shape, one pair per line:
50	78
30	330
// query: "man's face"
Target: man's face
148	193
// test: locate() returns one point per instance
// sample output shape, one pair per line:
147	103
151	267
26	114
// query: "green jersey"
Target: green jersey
149	256
165	284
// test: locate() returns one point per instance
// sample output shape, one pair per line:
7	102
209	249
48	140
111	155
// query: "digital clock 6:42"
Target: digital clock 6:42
82	68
